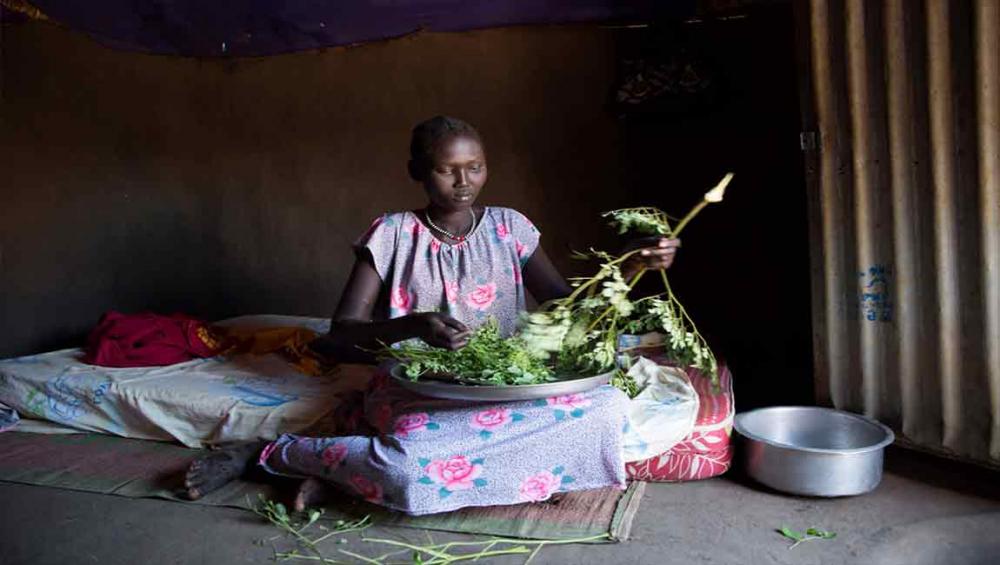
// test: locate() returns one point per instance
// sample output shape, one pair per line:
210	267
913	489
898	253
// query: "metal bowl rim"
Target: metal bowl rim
396	372
483	392
890	436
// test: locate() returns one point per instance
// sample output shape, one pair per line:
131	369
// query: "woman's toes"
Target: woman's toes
214	470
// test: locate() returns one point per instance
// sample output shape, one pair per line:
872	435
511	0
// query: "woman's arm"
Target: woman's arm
542	279
352	328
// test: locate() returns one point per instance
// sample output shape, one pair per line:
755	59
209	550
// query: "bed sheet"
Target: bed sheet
197	403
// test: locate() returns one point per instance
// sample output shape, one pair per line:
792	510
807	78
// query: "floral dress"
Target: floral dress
472	281
424	455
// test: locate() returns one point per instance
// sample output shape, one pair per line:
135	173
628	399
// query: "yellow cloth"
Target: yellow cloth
25	8
292	343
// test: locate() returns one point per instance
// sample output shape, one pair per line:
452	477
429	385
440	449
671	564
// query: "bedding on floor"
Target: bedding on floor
246	397
197	403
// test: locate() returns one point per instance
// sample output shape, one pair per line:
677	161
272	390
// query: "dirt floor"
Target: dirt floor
925	511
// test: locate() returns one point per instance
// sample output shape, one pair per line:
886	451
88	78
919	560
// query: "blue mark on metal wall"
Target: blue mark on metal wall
876	298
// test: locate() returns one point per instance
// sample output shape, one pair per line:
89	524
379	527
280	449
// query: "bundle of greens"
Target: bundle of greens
580	332
488	359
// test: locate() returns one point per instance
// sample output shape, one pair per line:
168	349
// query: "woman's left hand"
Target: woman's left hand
656	253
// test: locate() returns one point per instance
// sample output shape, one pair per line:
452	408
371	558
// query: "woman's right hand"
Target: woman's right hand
441	330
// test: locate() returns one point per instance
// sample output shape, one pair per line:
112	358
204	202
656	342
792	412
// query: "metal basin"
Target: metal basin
813	451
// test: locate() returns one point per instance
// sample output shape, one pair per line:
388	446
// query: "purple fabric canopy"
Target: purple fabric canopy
267	27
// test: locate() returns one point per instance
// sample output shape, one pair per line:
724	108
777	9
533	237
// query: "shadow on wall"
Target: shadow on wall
744	267
219	188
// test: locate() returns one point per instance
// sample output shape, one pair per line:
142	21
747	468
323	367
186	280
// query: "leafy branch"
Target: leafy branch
277	515
432	554
581	330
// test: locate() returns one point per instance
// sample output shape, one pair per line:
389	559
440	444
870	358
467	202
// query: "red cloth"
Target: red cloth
146	340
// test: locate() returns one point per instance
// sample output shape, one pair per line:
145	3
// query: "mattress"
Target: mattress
707	451
197	403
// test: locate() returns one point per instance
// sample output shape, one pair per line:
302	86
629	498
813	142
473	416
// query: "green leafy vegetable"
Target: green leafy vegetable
809	535
488	359
581	331
625	383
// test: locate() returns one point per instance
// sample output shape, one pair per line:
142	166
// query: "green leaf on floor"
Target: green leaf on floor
789	533
821	533
809	535
314	515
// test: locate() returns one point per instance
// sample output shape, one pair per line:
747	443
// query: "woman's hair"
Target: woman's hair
429	133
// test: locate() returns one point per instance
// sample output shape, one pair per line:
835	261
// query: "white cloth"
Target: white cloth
662	414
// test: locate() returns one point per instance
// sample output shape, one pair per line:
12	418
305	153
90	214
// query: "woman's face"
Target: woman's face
457	173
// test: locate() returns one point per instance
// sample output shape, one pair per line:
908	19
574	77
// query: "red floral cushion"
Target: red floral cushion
706	452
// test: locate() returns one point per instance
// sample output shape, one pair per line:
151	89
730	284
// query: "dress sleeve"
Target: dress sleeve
380	240
526	235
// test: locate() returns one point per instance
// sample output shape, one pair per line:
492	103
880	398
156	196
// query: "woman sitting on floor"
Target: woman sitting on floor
440	272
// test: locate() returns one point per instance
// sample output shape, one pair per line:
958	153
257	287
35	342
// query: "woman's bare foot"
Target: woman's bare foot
311	493
217	468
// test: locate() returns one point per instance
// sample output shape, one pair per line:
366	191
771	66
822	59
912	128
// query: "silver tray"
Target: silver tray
492	393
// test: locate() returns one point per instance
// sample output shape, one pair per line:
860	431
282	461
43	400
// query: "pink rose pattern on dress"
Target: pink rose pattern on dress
539	487
489	420
400	299
368	489
566	405
455	473
481	298
568	401
502	232
409	423
334	455
451	291
435	245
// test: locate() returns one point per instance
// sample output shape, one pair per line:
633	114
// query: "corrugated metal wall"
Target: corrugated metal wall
906	216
